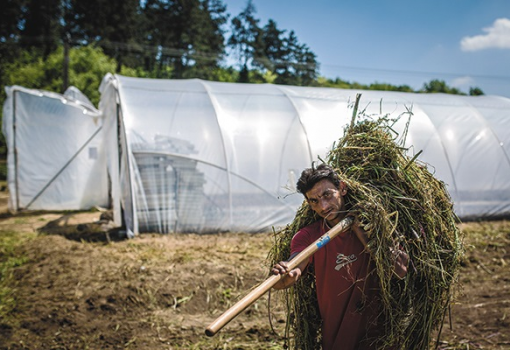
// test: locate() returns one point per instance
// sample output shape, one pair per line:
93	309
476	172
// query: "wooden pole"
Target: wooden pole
65	77
256	293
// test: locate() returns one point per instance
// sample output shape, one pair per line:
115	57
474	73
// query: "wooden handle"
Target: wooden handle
256	293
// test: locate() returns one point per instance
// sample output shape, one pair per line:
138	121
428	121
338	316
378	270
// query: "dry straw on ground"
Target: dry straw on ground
398	201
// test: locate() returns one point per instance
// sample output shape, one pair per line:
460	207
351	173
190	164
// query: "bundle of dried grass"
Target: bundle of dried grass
397	201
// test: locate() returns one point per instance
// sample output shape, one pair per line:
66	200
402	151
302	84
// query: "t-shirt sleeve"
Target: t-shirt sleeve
300	241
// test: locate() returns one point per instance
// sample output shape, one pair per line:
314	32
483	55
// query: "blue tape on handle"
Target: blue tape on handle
322	241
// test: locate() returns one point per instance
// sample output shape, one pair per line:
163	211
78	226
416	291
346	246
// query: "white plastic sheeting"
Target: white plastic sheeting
56	159
207	156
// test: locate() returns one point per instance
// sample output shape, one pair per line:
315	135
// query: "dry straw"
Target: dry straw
397	200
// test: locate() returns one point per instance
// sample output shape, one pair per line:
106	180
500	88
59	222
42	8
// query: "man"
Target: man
346	283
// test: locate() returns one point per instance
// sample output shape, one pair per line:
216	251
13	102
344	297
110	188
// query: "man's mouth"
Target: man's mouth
326	213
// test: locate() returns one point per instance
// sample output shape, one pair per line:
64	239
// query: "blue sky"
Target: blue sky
466	43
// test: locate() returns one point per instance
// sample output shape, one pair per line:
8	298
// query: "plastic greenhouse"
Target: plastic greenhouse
200	156
56	158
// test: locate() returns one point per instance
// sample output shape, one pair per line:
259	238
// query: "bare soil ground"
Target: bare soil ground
80	288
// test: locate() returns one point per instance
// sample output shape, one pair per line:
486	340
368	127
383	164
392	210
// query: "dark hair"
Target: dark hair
310	176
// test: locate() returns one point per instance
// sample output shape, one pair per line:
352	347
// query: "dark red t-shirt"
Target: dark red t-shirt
346	288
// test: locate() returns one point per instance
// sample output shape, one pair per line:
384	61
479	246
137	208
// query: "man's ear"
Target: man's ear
343	188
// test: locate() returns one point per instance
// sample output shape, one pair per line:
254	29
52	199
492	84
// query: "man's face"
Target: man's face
328	201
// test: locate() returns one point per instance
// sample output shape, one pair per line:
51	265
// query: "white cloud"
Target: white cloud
463	82
496	37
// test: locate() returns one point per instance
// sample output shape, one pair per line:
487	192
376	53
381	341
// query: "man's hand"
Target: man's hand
290	276
401	262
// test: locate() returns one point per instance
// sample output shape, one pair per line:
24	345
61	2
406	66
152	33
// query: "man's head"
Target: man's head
324	192
310	176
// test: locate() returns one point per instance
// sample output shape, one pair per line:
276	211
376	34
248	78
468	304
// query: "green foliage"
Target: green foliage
9	260
475	91
269	77
87	67
10	16
333	83
268	49
389	87
114	25
228	75
435	86
41	26
186	36
246	35
3	164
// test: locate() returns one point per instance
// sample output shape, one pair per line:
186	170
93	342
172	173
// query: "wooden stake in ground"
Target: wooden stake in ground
265	286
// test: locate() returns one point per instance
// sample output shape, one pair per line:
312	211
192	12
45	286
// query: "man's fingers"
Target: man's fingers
280	269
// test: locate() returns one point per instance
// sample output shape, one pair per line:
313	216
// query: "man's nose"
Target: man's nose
323	203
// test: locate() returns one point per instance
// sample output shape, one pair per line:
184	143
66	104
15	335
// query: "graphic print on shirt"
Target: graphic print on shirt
342	260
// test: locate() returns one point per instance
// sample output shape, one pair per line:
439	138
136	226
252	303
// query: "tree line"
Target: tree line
176	39
158	38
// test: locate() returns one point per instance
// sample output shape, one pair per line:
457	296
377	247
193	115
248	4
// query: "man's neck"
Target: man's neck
330	224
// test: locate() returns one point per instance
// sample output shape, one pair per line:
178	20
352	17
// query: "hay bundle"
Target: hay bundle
397	201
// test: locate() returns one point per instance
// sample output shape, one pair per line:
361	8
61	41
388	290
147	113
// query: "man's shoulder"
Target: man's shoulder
312	229
315	225
305	236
